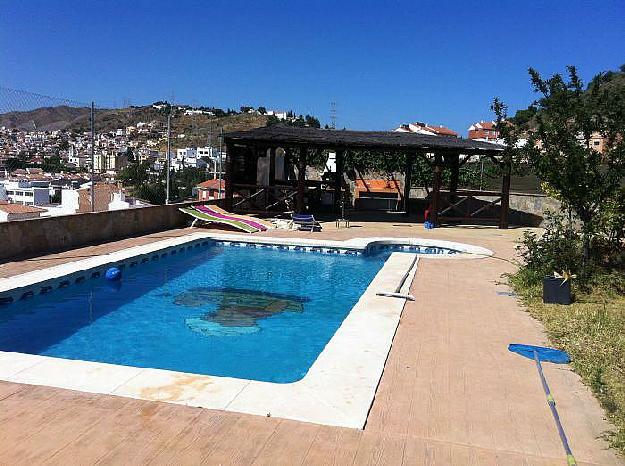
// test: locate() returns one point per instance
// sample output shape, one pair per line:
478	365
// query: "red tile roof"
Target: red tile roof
487	124
442	130
211	184
20	209
439	130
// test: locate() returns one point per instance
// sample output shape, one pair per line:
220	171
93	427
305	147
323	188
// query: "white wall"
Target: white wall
22	192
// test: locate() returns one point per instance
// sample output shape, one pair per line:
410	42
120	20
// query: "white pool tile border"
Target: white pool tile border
338	389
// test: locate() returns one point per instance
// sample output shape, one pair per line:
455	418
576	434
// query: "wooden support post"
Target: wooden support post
436	188
301	179
229	176
408	181
505	196
338	180
272	165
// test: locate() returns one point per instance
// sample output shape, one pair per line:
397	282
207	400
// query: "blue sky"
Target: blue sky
383	63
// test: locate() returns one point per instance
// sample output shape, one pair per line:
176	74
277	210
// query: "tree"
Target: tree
154	192
52	164
272	120
183	182
312	121
560	149
262	110
135	174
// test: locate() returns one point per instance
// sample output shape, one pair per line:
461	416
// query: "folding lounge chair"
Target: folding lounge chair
305	222
215	218
259	223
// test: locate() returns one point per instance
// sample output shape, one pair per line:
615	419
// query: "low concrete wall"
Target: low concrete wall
535	204
34	237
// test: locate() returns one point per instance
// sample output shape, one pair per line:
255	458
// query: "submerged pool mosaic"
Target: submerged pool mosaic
261	313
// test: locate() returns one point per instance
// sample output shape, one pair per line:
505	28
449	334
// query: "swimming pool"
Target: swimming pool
245	312
220	289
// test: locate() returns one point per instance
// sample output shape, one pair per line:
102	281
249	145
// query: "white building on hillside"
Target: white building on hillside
279	114
27	192
190	157
107	197
110	161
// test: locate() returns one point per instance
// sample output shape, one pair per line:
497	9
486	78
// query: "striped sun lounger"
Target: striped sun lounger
207	214
217	212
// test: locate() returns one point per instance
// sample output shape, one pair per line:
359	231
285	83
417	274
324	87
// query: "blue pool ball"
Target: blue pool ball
113	274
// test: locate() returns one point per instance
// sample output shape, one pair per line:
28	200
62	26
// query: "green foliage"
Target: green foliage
183	181
151	187
586	238
558	249
560	148
564	122
300	121
272	120
153	192
130	154
610	231
475	175
366	161
134	174
52	164
15	163
524	117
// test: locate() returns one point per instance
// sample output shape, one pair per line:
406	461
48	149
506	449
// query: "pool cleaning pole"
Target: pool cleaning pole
570	459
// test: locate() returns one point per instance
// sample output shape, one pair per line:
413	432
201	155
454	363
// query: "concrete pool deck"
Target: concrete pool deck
450	393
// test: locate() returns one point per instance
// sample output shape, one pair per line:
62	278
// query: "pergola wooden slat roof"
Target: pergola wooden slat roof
337	139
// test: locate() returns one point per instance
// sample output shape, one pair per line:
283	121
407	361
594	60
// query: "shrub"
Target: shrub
558	249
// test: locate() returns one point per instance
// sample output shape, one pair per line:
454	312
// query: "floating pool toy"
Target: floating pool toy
113	274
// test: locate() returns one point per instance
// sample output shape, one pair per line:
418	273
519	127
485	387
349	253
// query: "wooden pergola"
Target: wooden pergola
245	147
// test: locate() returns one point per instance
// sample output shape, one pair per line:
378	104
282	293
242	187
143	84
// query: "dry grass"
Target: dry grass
592	331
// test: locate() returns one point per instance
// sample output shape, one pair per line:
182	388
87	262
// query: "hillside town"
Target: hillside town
50	172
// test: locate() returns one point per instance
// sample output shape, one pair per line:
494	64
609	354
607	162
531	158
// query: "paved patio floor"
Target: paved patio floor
451	393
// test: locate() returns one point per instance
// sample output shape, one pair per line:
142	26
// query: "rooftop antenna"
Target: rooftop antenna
333	115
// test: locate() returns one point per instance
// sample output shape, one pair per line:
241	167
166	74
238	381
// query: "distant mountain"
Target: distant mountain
44	118
199	130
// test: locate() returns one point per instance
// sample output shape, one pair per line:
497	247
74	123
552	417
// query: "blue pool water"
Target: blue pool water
259	314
